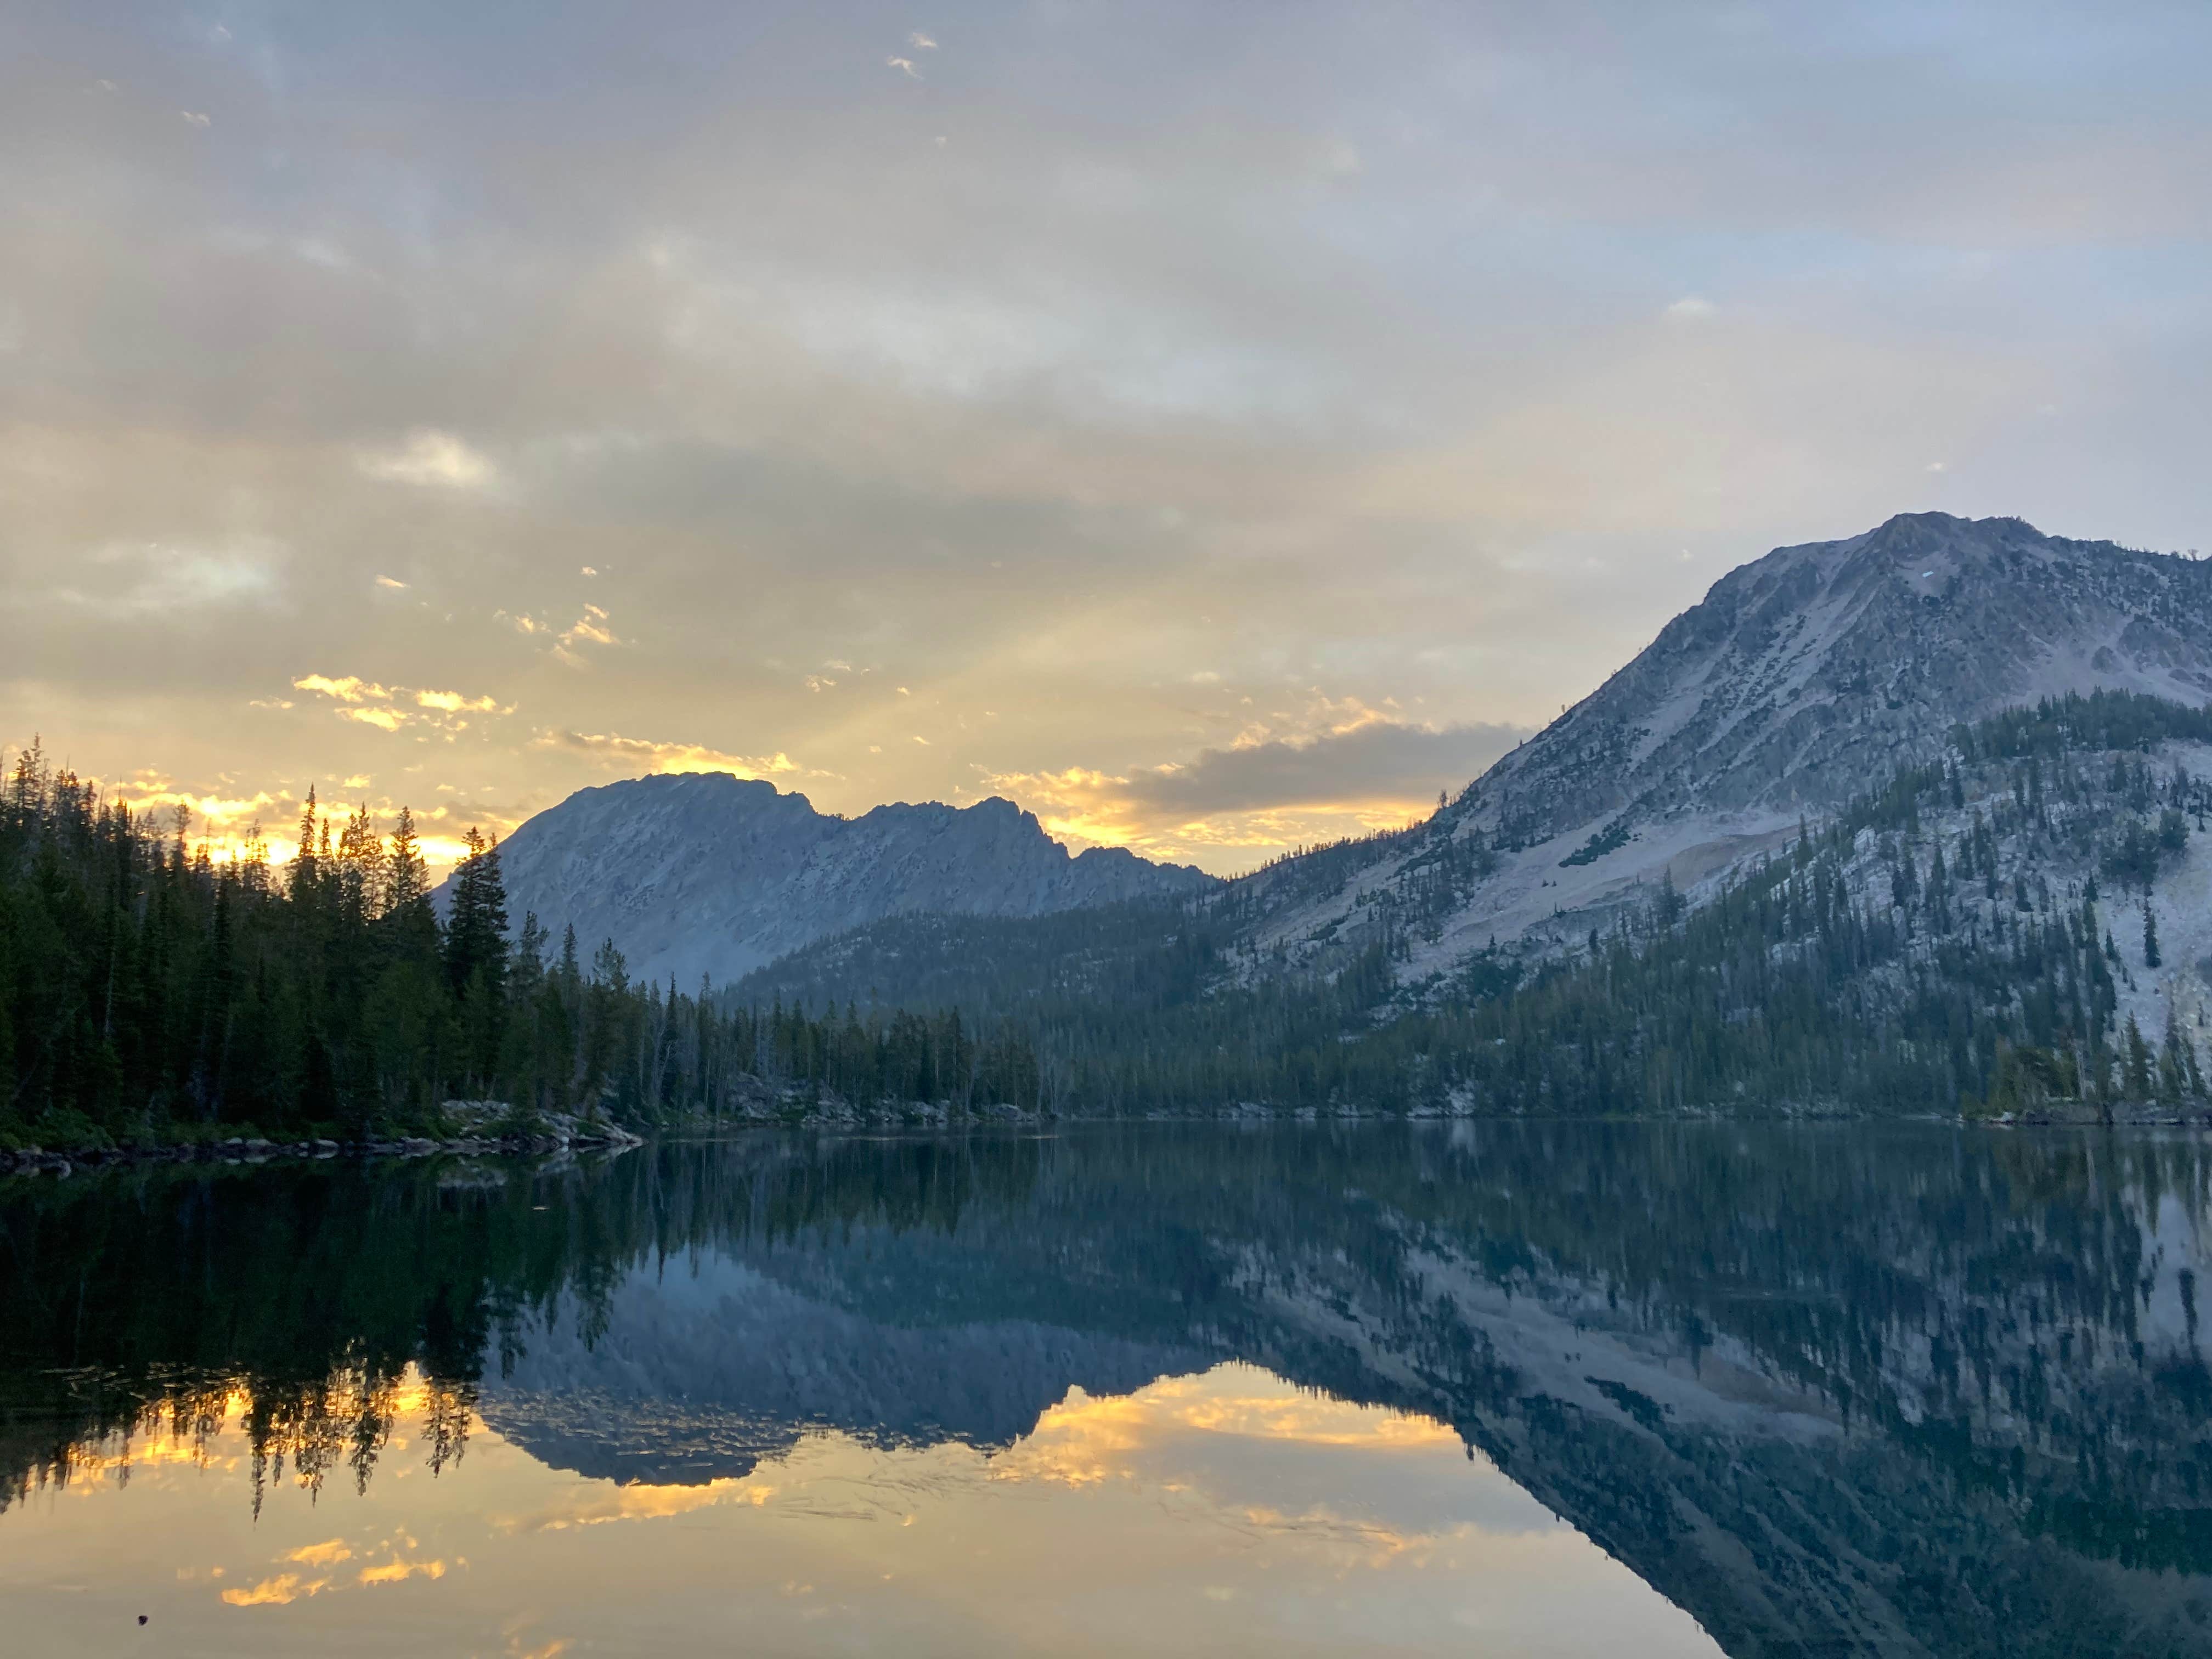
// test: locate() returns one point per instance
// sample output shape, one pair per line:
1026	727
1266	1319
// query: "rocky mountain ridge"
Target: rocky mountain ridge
705	873
1803	679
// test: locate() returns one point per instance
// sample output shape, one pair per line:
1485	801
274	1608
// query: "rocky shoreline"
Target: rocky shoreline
2076	1115
547	1135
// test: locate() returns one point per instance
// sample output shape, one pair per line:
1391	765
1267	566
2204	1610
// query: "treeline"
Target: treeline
150	990
1954	938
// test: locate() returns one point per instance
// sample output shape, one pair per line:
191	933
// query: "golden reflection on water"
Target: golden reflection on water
1228	1512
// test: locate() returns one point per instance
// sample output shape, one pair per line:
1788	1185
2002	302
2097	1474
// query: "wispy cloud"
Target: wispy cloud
346	688
367	703
590	629
385	720
397	1571
275	1592
456	702
611	749
920	42
160	578
904	66
430	460
1368	773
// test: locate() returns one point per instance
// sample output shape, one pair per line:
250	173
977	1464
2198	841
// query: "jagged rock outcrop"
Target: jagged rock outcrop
706	873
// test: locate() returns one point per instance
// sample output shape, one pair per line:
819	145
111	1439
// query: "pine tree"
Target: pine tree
2136	1068
2150	935
304	867
360	868
407	879
2173	1068
476	922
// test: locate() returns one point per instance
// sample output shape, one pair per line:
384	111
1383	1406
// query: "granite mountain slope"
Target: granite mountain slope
1801	679
705	873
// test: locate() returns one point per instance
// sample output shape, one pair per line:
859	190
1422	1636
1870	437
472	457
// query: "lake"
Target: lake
1553	1388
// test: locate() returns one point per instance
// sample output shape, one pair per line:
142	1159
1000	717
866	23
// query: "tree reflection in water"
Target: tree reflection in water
1835	1388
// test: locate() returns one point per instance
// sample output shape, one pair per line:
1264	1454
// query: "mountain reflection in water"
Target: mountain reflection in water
1283	1388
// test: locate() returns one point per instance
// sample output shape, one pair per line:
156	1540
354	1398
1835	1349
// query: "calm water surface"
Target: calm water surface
1285	1390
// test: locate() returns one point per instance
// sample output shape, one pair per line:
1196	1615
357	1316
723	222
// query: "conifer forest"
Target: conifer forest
1961	939
151	991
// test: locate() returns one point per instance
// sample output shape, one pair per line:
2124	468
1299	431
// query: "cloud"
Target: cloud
385	720
905	66
150	793
455	702
431	459
367	703
396	1572
326	1554
643	754
1124	375
193	117
590	629
275	1592
1373	773
346	688
392	582
1376	760
1689	308
920	42
158	579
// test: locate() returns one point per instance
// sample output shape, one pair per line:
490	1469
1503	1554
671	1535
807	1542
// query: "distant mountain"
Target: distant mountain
706	873
731	1367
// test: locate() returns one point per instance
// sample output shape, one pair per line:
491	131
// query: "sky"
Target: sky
1216	428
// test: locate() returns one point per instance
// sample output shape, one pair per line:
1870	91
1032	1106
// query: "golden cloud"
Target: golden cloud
454	703
398	1572
611	749
275	1592
1351	769
367	703
385	720
346	688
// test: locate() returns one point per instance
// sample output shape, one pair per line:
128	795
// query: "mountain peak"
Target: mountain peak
1802	674
710	874
1801	679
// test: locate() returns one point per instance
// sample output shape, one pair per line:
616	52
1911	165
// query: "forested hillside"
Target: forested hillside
150	992
1984	931
2024	924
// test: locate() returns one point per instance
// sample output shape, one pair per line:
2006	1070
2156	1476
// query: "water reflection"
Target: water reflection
1825	1390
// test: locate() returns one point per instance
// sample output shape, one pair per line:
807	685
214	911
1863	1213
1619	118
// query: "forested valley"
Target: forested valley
1967	936
152	993
1959	937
